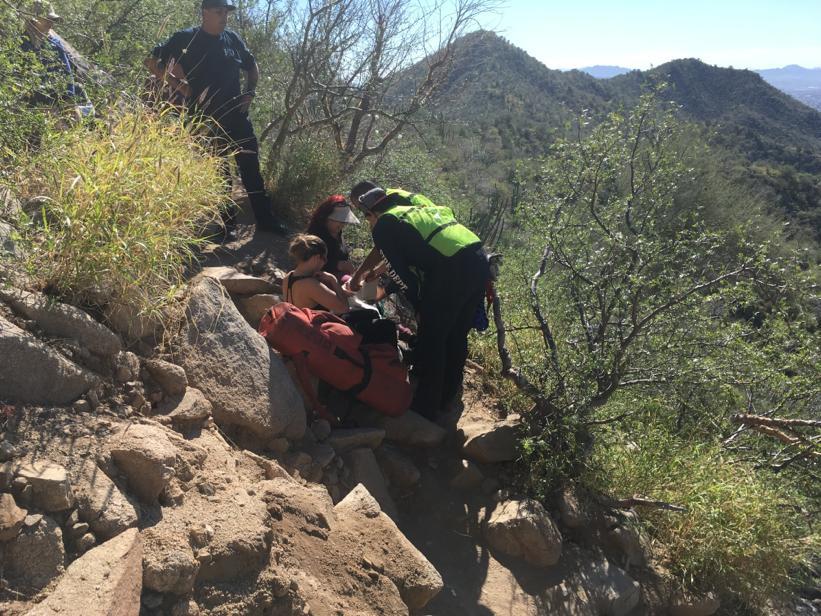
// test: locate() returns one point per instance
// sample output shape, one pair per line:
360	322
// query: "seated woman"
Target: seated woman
307	286
327	222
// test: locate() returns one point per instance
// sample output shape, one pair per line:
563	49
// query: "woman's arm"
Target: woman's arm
333	300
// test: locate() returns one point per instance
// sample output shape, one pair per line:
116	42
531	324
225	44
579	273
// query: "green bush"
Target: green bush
743	533
123	207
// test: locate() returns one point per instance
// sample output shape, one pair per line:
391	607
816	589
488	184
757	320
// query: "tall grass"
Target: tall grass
743	533
123	209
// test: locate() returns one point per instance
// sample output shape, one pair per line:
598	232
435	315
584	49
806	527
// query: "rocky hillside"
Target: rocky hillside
177	475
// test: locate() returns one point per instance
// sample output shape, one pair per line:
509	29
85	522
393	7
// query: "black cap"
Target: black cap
371	199
360	189
217	4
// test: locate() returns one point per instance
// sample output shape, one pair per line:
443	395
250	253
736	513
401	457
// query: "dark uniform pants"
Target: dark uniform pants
450	299
242	143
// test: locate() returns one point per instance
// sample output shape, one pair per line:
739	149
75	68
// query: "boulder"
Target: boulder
33	372
64	321
416	578
705	605
170	377
11	517
104	580
168	563
397	467
523	529
238	283
102	505
610	590
126	319
7	245
233	366
413	430
51	490
491	442
35	557
146	456
193	408
255	306
570	510
629	542
365	471
468	476
351	438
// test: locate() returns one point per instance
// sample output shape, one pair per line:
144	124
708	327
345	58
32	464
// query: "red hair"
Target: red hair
319	216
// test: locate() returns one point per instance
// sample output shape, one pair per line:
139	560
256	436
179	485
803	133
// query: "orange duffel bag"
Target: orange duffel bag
329	349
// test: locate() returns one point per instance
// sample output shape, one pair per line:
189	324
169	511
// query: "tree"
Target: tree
362	69
625	281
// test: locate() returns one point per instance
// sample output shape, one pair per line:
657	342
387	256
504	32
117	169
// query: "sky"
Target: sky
753	34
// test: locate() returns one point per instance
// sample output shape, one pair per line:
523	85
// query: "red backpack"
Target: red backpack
329	349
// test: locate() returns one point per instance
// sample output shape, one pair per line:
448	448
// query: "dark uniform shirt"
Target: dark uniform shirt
57	63
212	67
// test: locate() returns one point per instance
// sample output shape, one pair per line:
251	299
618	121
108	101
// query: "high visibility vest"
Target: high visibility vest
437	226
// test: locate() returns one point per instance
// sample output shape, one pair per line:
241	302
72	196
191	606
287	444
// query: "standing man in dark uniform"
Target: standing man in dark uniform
443	271
203	64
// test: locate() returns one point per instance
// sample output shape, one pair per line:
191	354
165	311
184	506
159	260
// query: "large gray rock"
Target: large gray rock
51	490
33	372
524	529
413	430
346	439
63	320
610	590
492	442
35	557
238	283
365	470
416	578
398	468
106	580
102	505
255	306
11	517
233	366
170	377
146	456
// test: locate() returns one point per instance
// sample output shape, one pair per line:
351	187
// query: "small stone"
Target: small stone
86	542
93	399
33	520
11	517
78	530
155	397
137	400
81	406
501	495
321	429
570	510
7	451
128	367
467	477
278	446
322	454
50	487
185	607
524	529
170	377
201	534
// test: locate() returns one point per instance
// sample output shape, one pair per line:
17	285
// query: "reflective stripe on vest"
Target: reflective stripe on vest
437	226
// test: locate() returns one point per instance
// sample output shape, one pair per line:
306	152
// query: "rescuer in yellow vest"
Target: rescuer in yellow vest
442	269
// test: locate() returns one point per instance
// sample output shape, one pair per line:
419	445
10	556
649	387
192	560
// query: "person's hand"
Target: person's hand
354	284
245	102
370	275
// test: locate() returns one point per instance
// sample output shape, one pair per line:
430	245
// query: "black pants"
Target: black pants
450	298
239	139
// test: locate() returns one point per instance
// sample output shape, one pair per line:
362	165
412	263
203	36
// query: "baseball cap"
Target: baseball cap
43	10
372	198
217	4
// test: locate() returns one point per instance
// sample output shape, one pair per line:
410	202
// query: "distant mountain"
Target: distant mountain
505	106
605	72
797	81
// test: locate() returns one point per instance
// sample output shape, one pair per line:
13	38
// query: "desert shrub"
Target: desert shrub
743	533
123	206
